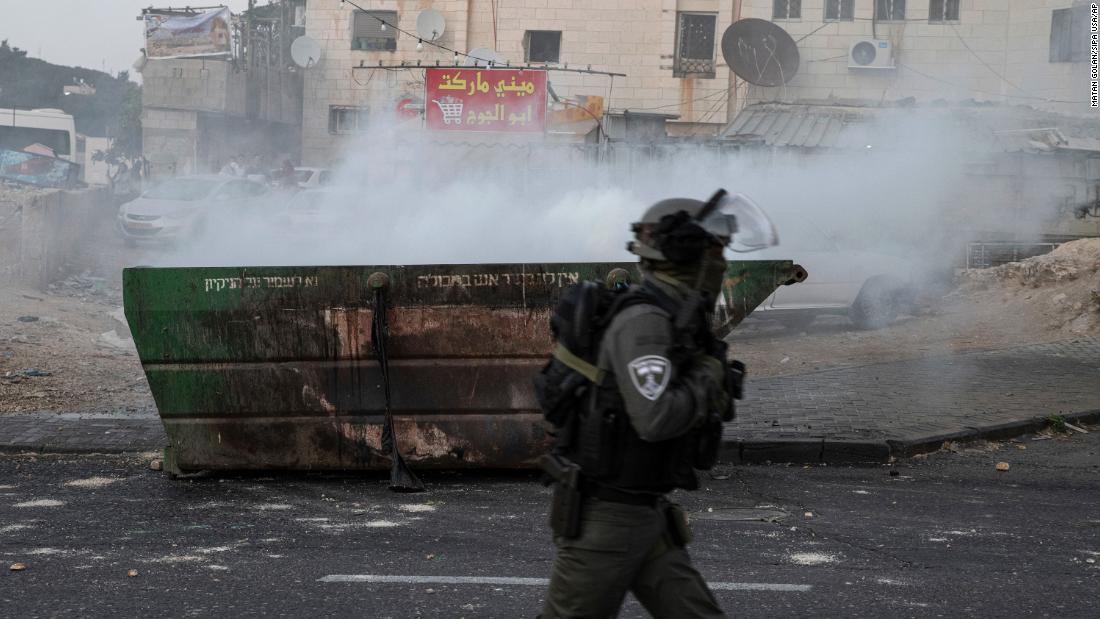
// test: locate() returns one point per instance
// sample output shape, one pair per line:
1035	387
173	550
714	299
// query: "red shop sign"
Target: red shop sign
507	100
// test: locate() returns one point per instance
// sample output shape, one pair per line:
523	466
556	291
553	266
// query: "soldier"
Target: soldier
653	415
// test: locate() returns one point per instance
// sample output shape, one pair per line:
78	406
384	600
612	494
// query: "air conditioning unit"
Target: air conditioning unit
871	54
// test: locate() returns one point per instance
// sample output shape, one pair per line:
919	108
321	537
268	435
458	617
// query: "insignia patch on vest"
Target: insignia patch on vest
650	375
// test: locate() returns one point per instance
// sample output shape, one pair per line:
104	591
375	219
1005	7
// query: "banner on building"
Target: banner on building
583	109
501	100
32	169
190	36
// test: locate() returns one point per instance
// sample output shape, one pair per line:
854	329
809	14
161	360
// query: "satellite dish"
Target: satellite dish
430	24
481	56
305	52
760	52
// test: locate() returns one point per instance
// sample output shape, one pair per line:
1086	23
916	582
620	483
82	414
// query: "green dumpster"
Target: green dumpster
273	367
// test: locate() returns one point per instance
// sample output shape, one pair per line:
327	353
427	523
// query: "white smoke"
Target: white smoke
409	197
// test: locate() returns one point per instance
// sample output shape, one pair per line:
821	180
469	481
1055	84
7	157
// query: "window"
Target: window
367	32
695	45
839	10
542	45
1069	34
940	11
18	138
234	190
347	119
890	10
786	9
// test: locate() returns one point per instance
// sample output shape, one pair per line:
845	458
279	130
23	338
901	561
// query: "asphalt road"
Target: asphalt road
946	535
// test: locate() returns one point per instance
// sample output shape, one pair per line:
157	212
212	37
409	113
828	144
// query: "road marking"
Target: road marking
536	582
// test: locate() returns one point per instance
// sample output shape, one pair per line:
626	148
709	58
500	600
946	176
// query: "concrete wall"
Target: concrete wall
193	84
41	230
993	39
170	140
179	96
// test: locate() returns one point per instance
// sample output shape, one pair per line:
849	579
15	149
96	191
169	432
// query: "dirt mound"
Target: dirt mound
1059	291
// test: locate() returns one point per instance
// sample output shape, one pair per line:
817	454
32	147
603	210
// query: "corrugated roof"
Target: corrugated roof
980	127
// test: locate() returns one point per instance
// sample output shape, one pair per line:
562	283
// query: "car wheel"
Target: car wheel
877	304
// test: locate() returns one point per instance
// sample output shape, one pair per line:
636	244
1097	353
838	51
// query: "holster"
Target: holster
565	507
678	528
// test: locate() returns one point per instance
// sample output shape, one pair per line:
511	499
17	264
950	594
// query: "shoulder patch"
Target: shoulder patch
650	375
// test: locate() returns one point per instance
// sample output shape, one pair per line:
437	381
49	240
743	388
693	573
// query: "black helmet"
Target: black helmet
678	230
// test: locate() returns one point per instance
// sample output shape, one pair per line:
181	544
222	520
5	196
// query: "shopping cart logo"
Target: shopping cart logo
451	108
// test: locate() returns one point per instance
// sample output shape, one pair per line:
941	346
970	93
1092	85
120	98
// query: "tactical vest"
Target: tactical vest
610	451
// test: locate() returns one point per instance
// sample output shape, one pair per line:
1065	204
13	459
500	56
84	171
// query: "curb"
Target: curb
735	450
764	450
13	449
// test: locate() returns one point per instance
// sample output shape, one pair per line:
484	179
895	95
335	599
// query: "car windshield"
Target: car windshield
187	190
303	175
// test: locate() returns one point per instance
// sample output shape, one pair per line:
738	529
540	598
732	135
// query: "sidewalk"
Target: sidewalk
857	414
873	412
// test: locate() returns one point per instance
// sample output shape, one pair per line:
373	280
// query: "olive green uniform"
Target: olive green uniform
629	547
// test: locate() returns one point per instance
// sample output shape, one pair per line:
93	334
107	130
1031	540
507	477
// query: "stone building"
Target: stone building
667	48
199	112
1032	52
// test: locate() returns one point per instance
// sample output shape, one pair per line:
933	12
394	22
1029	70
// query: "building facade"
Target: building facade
668	50
1032	52
199	112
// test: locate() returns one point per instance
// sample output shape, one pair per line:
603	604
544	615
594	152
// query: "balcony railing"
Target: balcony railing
693	67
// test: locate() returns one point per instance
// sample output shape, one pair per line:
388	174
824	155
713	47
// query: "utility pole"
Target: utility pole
731	90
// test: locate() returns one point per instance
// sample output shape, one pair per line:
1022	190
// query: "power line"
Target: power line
814	31
476	59
982	60
984	92
662	107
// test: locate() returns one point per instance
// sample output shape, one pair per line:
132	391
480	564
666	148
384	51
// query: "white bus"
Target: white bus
49	128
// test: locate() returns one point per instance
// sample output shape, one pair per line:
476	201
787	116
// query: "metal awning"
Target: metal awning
985	128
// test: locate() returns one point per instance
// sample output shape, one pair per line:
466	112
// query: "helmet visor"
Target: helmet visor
741	225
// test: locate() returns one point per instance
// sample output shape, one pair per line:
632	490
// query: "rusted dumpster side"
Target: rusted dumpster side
272	367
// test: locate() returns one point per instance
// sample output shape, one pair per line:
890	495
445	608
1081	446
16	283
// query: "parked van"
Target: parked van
45	131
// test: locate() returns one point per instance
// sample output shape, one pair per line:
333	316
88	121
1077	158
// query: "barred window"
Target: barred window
890	10
940	11
839	10
695	45
786	9
367	33
347	119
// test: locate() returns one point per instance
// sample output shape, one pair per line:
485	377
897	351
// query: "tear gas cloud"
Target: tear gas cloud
400	198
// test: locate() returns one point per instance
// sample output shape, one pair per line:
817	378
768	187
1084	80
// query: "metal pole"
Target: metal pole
731	93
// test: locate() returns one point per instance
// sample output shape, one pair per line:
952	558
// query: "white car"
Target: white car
180	206
305	178
870	287
324	210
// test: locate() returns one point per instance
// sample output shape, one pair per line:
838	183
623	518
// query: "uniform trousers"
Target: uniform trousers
625	548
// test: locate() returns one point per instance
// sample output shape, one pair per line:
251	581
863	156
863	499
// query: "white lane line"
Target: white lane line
536	582
759	586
